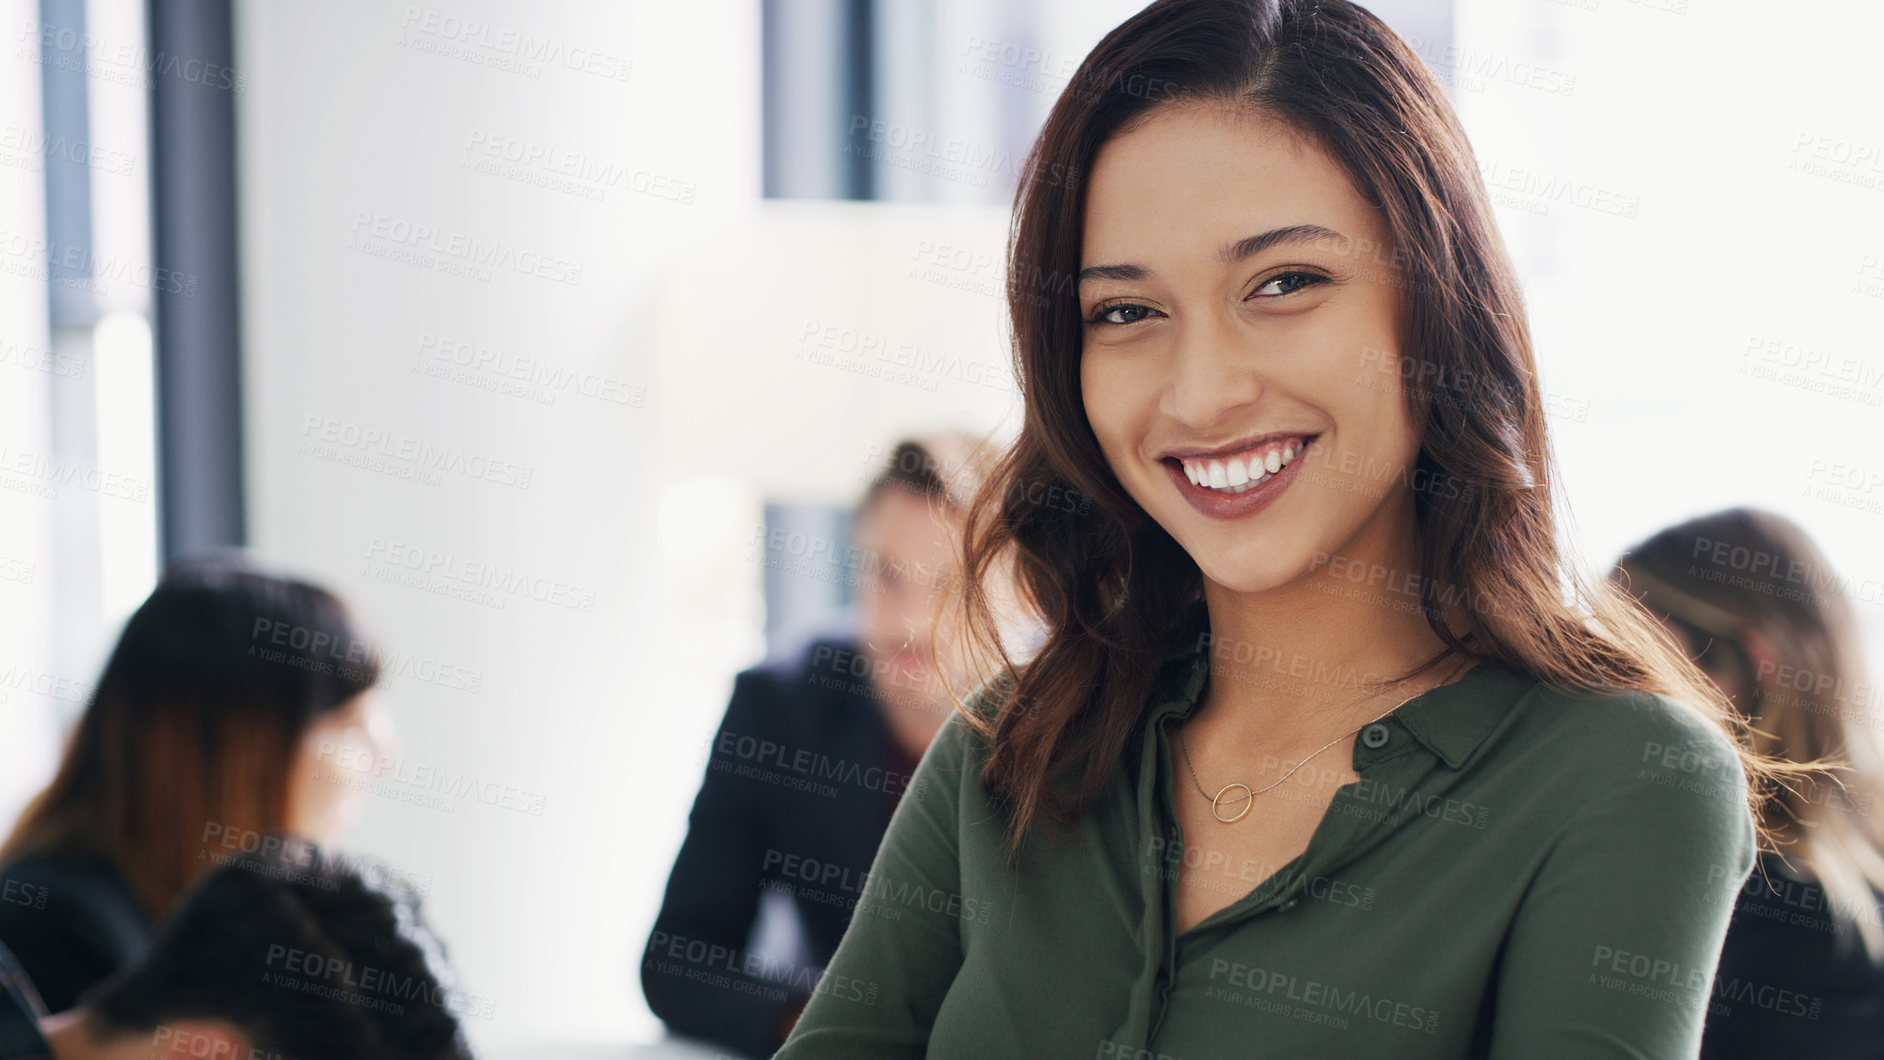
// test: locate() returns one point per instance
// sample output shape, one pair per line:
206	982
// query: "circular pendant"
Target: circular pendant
1216	804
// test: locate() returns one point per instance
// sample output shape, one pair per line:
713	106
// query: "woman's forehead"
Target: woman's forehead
1190	180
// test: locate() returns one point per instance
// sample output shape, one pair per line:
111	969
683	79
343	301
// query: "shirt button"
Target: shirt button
1288	905
1374	735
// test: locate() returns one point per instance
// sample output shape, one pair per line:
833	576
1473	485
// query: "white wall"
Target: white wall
1655	165
378	110
710	318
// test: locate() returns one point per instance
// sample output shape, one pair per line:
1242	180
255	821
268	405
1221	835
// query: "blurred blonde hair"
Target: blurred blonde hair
1743	571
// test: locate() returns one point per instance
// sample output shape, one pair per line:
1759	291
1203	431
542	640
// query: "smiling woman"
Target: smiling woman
1328	749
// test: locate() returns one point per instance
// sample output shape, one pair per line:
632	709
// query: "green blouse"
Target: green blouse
1521	872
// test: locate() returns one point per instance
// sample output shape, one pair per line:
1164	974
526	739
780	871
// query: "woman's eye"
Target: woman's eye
1119	313
1287	283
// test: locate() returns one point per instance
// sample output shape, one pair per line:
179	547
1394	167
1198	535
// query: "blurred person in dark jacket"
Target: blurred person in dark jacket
1756	604
810	761
235	703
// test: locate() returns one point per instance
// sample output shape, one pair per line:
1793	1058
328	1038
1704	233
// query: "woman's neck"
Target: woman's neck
1298	661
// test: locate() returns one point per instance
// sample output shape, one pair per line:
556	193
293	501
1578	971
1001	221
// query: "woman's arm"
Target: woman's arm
693	970
1614	948
879	996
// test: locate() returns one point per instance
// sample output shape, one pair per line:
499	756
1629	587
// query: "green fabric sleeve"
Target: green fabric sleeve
1613	950
879	996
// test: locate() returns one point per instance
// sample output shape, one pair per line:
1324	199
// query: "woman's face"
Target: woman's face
913	542
341	752
1241	307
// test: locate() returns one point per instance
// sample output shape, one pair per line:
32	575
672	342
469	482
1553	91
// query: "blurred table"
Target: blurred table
665	1049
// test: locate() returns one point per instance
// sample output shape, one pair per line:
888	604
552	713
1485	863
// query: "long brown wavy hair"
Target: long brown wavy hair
1108	584
1726	578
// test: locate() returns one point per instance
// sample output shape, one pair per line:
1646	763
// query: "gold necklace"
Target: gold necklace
1249	793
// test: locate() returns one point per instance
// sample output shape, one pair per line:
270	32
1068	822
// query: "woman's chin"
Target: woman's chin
1253	574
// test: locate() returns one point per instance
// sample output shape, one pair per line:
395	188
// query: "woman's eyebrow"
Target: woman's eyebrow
1247	247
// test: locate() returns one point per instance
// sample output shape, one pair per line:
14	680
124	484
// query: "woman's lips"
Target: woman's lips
1255	492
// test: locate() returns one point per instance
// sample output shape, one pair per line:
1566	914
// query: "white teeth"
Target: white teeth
1240	475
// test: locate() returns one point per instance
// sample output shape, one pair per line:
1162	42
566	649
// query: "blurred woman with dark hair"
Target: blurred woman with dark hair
229	708
1751	598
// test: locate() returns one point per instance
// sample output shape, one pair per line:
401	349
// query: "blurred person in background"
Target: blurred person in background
810	761
1752	599
281	953
227	709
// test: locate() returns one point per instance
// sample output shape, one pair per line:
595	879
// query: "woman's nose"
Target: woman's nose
1210	373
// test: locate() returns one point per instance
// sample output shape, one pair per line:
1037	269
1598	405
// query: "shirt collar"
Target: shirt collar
1452	721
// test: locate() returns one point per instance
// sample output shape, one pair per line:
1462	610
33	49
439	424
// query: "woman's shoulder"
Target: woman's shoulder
1649	748
1638	725
69	867
68	880
70	921
71	896
965	735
